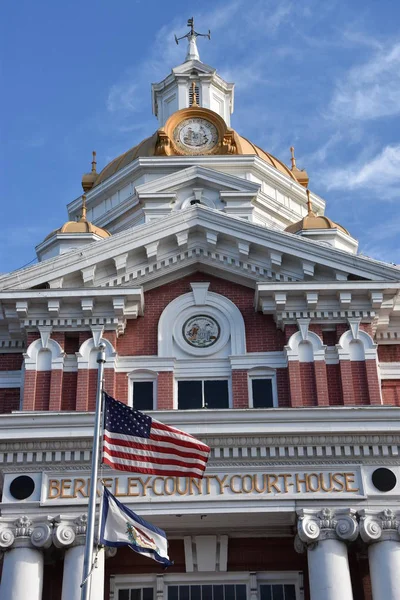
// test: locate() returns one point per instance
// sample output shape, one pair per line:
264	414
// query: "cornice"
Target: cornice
282	242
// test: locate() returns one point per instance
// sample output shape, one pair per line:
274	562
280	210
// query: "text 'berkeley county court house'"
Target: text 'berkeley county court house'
234	309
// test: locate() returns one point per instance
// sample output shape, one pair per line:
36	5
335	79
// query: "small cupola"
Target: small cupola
71	236
322	229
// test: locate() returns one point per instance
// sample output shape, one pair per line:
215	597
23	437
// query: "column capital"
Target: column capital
69	530
379	526
25	532
317	525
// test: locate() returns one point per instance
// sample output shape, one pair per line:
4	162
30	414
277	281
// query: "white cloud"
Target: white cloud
381	174
371	90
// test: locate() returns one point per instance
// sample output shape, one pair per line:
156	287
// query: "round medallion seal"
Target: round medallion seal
201	331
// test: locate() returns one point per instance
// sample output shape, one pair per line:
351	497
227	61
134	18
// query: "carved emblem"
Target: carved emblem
201	331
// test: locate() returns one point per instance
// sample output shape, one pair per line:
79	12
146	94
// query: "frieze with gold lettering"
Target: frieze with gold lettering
226	486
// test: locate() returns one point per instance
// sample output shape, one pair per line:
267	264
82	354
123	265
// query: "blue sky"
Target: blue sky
325	77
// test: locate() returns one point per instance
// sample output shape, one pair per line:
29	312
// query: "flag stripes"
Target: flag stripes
133	441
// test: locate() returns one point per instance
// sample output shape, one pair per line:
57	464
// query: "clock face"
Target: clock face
196	136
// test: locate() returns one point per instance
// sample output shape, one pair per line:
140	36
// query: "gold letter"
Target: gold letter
54	485
300	481
79	488
231	484
349	479
132	483
272	483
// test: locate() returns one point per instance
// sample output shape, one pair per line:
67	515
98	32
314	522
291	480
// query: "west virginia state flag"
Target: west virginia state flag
120	526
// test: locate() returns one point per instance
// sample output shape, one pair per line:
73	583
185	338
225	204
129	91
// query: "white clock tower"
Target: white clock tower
176	90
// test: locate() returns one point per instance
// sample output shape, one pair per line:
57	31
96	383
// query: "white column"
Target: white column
381	530
324	533
69	534
22	577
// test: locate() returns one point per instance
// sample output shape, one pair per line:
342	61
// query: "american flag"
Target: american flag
133	441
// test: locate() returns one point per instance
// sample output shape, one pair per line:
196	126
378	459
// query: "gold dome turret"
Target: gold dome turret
313	221
82	225
88	179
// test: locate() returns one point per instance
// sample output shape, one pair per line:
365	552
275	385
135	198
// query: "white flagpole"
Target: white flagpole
87	565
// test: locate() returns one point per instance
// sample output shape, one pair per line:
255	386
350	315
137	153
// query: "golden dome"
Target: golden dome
81	226
312	221
231	143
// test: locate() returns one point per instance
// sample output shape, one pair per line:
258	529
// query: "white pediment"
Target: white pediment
198	238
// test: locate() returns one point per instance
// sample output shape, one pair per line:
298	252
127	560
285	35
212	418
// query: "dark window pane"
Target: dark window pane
207	592
218	592
148	593
135	594
143	395
277	592
240	592
195	592
183	592
265	592
172	592
123	595
189	395
216	394
290	592
229	592
262	393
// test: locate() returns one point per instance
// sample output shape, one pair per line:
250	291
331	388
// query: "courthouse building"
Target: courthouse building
232	307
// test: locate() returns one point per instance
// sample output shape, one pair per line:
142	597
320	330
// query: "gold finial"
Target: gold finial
83	216
293	159
309	205
194	99
94	163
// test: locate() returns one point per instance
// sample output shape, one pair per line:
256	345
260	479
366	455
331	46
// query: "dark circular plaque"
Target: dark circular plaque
384	479
201	331
22	487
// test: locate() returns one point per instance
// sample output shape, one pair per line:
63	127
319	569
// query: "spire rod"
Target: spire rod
83	217
192	35
309	204
94	162
293	159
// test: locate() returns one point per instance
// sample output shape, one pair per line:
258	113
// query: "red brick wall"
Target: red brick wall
389	353
9	399
240	390
307	382
391	392
42	395
282	384
121	387
68	398
11	361
140	337
165	390
360	385
334	385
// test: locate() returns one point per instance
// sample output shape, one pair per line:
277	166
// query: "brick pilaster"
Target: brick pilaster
240	389
56	379
296	396
321	383
29	391
347	383
374	388
165	391
109	382
82	390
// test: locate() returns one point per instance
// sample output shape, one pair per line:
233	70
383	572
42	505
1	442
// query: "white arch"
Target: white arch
37	356
361	347
87	355
305	350
201	300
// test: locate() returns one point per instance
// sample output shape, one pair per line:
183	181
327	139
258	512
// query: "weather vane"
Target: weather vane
191	37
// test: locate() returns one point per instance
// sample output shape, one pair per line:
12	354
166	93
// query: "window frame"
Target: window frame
253	580
142	375
228	379
262	373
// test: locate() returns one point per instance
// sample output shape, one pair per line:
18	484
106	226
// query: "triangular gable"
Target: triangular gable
198	238
210	178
